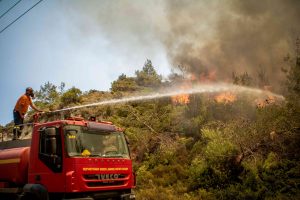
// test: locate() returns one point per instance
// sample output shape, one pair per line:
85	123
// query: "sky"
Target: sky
46	44
89	43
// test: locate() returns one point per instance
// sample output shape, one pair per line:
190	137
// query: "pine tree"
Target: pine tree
148	77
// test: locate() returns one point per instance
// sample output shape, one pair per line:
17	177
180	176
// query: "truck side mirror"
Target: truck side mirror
51	135
53	145
50	148
51	131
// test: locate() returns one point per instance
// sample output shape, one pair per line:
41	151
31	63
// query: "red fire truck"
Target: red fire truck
67	159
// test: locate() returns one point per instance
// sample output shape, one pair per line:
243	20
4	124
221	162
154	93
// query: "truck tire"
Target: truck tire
35	192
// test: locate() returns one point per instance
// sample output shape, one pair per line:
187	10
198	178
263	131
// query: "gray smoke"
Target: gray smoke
199	35
232	35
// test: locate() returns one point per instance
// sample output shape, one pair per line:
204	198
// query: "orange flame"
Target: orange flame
265	102
189	82
269	100
181	99
226	97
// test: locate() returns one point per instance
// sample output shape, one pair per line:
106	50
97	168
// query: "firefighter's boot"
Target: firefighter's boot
17	132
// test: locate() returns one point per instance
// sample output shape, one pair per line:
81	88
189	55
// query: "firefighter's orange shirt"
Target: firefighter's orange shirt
23	103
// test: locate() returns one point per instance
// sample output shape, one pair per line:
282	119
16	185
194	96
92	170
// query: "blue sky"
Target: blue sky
56	42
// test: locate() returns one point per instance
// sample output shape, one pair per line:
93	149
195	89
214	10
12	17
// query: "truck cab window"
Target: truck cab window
50	148
82	142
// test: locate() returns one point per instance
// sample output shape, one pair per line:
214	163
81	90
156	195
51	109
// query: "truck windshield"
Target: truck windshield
82	142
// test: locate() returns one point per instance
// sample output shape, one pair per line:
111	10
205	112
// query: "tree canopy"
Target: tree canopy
148	77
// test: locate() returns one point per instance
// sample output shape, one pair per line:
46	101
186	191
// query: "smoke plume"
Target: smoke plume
203	35
232	36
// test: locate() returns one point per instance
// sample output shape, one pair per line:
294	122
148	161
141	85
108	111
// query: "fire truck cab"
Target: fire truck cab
68	159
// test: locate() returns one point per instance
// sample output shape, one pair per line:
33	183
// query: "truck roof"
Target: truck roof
96	125
101	125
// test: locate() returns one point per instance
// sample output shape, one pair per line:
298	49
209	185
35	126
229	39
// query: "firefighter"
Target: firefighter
20	110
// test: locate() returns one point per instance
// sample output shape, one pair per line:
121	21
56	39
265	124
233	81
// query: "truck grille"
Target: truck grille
104	176
102	180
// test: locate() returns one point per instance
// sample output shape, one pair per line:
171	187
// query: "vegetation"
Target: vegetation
202	149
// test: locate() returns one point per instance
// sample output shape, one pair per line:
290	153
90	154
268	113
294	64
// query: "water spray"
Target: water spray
197	89
169	92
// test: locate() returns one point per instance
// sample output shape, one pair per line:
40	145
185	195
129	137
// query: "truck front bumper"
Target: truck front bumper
96	196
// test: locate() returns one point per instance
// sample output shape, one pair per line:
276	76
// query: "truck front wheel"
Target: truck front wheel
35	192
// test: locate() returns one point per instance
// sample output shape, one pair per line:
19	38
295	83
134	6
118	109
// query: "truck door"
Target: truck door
48	169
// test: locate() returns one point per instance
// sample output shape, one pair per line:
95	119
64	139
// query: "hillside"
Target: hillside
221	145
